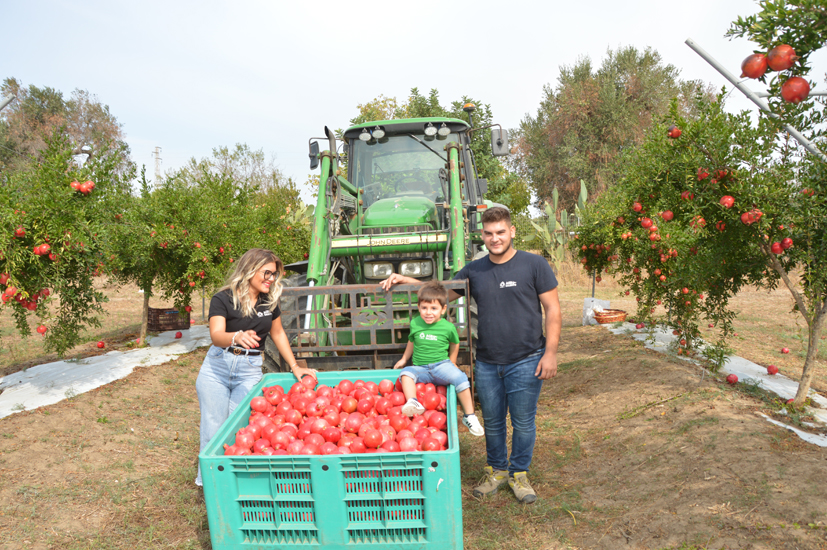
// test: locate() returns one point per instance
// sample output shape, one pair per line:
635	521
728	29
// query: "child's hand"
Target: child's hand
400	364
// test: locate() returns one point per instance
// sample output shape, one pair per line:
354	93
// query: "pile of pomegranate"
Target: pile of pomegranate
351	417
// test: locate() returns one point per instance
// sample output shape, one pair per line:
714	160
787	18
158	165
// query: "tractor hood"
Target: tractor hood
399	212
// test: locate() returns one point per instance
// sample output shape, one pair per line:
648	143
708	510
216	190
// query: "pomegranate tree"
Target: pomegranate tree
762	232
791	30
51	239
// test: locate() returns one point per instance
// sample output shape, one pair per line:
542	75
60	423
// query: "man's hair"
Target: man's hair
496	214
433	291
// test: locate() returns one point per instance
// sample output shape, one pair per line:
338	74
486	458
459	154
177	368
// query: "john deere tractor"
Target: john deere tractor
395	196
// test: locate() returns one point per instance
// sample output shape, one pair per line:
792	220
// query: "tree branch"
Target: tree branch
776	265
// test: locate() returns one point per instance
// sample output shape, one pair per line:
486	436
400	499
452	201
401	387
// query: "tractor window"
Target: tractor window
402	165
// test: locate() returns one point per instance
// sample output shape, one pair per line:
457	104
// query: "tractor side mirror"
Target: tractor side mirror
499	142
314	155
482	186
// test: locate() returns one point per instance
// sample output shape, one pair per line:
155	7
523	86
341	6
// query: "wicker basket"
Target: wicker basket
161	320
610	316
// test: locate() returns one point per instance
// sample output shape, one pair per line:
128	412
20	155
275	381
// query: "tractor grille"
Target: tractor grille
425	228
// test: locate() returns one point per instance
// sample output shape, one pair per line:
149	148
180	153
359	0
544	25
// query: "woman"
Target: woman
241	315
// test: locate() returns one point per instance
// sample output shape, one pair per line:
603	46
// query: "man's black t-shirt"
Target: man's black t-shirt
509	310
221	305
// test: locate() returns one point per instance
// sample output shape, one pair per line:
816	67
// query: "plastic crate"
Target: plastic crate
160	320
381	500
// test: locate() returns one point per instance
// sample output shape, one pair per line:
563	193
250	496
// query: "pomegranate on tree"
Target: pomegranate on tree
754	66
795	90
781	57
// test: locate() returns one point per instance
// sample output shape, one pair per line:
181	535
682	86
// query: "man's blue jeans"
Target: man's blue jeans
509	388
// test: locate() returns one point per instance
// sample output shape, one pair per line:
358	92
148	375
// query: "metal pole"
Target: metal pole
5	102
203	306
754	98
594	273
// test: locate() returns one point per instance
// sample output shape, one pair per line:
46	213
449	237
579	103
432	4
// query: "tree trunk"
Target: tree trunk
814	334
145	316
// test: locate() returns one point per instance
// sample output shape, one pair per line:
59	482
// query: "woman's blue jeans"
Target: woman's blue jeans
514	389
224	381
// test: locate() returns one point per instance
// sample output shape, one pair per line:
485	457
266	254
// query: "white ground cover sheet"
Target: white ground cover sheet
52	382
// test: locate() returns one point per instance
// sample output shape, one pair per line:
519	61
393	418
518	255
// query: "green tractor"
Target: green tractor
395	196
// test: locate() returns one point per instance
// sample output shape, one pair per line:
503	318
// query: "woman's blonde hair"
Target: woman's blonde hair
245	269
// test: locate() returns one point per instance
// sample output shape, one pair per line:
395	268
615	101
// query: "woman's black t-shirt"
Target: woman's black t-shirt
221	305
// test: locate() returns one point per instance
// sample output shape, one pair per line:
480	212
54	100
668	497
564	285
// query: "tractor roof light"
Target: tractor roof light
378	133
365	135
430	130
443	130
469	107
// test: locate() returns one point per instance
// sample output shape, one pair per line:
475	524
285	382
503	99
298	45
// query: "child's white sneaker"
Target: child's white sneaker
471	422
412	407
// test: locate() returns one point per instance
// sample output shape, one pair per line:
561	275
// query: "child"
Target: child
434	345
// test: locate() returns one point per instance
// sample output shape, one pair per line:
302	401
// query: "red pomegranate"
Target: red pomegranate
795	89
754	66
781	57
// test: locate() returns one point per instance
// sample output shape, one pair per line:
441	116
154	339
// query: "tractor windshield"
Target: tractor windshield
401	165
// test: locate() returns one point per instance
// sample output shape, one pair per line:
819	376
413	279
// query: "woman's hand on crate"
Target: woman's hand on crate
300	372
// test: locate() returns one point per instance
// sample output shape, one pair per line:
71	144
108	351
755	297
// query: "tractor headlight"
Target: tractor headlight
418	268
378	270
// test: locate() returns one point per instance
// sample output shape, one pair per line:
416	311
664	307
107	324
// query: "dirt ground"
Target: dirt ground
635	450
632	446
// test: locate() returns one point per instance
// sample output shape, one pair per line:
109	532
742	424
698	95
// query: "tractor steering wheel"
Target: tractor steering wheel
413	183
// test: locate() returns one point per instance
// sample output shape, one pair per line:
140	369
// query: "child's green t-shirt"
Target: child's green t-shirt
431	341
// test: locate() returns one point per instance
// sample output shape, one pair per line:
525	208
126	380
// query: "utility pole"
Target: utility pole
157	155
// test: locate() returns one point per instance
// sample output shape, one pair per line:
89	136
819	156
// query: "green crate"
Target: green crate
384	500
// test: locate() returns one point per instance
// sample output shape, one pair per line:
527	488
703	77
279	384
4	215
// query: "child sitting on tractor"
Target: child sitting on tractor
434	344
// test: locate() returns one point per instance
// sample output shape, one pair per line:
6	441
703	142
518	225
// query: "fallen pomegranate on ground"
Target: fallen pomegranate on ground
179	334
732	379
772	369
785	350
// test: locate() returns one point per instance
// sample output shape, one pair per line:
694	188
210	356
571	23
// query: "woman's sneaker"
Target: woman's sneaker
412	407
471	422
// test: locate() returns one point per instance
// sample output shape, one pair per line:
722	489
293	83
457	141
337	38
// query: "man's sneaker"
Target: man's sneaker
412	407
522	488
471	422
491	482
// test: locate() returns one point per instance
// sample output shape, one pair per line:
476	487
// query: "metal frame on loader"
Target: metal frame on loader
411	203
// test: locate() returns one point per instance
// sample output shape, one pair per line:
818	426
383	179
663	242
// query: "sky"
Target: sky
190	76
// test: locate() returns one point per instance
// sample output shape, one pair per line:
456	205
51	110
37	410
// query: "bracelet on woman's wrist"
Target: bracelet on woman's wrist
232	342
296	364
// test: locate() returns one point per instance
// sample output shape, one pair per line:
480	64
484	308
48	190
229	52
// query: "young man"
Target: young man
434	344
512	289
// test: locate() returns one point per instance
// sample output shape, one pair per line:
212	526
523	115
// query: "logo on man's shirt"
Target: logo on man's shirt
265	313
506	284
